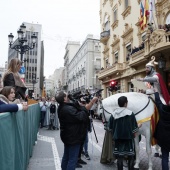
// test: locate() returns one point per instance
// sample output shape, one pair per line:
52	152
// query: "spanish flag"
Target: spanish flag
144	13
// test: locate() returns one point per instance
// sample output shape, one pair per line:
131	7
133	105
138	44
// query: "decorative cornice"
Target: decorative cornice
115	24
126	12
115	41
128	30
115	7
120	2
111	3
106	49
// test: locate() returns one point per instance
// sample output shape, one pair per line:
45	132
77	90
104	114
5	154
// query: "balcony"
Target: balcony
159	41
111	70
80	72
77	74
74	77
83	70
137	58
104	36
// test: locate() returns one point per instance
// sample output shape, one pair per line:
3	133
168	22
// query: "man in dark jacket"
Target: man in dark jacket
162	132
73	127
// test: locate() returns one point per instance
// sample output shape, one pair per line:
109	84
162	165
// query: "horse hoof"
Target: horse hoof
156	155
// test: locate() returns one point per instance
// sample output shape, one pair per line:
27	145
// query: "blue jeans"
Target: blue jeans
165	159
86	143
42	117
70	157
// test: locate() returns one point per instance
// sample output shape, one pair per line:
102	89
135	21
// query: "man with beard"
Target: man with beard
155	80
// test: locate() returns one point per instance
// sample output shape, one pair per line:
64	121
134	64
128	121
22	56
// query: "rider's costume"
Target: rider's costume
155	80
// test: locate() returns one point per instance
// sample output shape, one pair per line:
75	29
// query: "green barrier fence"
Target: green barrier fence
18	133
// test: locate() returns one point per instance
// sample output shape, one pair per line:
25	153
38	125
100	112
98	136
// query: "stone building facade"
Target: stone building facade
121	34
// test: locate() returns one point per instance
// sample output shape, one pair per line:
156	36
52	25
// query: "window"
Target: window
107	63
128	52
126	3
144	36
96	48
106	24
116	55
35	60
168	19
115	15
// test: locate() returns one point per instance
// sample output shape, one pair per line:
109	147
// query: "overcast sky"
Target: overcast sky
61	20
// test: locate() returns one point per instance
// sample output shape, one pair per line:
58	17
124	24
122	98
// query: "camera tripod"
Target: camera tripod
93	128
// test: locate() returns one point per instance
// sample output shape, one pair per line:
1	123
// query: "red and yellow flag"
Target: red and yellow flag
144	13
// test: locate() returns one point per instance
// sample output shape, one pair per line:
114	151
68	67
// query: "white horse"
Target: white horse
143	108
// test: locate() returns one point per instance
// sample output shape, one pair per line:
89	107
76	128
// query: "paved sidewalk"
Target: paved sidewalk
48	152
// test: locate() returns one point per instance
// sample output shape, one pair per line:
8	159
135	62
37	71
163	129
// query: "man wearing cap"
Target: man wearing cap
155	80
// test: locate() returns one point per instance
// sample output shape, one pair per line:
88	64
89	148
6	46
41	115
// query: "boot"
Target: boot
130	163
120	163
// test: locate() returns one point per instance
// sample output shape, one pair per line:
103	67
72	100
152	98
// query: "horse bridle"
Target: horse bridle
149	98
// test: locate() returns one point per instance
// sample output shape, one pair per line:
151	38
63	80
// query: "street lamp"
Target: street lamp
22	47
161	62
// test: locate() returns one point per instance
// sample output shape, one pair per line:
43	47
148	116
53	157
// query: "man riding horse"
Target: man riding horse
155	80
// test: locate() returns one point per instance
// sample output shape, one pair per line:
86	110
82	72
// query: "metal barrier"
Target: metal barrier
18	133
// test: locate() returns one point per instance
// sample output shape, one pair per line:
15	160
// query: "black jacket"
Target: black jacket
52	108
73	123
19	91
162	132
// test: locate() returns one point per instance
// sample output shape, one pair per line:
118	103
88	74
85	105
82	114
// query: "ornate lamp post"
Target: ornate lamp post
161	62
22	47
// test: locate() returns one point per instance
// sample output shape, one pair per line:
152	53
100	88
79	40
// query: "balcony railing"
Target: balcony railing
83	70
159	40
137	58
104	36
77	74
110	70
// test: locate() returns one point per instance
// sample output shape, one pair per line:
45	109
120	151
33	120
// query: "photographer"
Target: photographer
73	127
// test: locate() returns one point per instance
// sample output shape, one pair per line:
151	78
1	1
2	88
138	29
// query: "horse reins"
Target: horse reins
134	113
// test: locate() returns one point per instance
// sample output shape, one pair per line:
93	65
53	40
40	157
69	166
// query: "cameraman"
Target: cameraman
73	127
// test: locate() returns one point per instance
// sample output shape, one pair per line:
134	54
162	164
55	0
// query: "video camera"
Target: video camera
75	97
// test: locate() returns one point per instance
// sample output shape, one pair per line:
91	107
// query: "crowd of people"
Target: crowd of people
74	118
12	96
166	27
